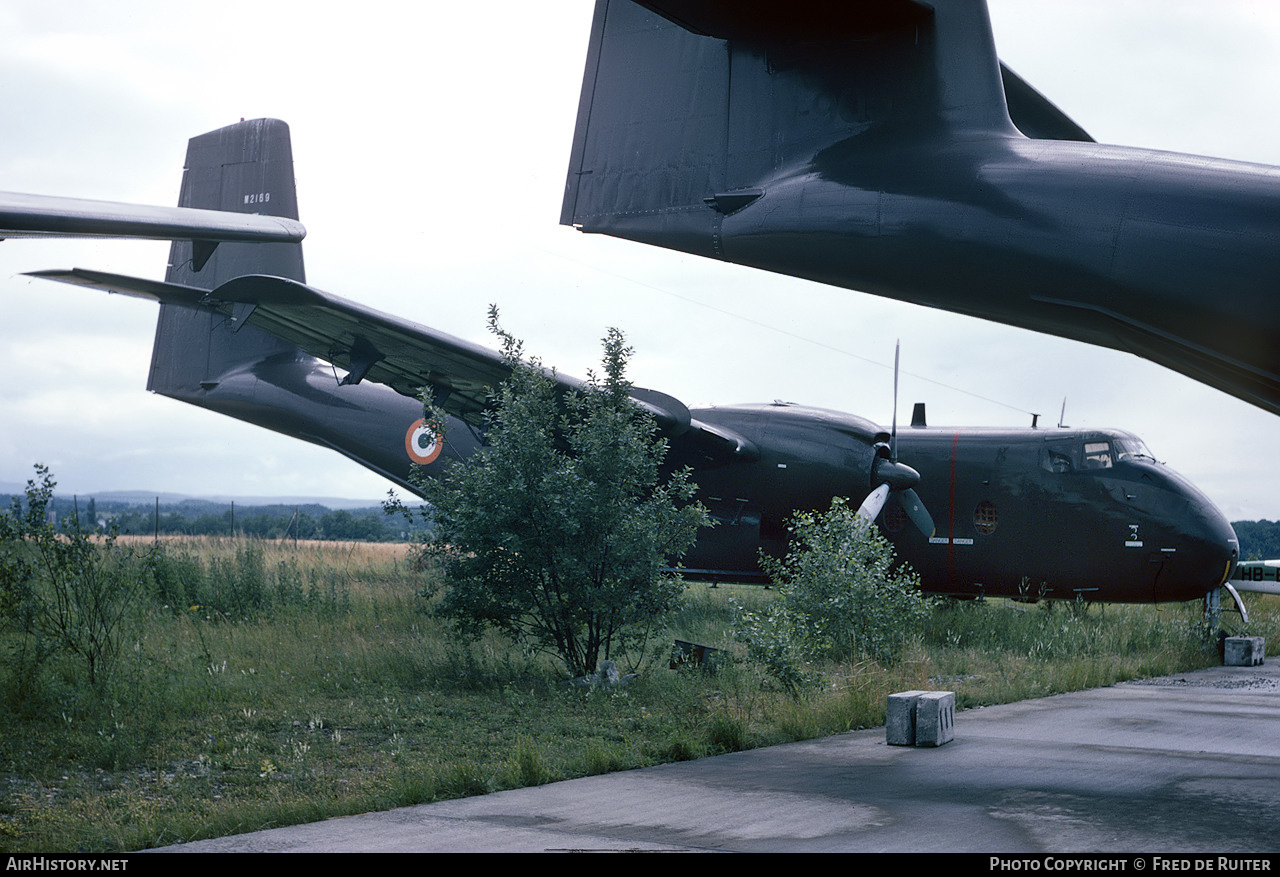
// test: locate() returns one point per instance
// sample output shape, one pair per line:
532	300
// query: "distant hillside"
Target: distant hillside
259	518
149	497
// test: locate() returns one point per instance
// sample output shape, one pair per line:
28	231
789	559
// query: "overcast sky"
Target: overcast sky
430	144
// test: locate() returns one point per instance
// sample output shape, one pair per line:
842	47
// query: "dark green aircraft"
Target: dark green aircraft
1030	513
880	145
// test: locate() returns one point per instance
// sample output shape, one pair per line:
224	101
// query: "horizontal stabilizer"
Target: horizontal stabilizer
46	216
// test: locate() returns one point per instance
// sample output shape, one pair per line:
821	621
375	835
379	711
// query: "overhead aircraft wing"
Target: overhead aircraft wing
49	216
372	345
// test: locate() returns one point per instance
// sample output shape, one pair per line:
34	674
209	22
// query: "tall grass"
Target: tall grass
261	685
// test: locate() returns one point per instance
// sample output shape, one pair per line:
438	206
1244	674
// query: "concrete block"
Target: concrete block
900	718
1243	651
935	718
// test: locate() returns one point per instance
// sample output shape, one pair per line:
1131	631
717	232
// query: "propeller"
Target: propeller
888	475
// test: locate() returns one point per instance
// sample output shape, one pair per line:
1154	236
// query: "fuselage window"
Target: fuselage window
984	518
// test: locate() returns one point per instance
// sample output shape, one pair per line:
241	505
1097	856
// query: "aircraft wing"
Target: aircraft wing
379	347
366	343
48	216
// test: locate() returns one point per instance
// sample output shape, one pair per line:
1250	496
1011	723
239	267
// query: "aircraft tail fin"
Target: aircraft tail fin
243	168
689	109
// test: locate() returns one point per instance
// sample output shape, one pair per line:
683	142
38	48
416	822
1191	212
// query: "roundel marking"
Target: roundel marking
422	443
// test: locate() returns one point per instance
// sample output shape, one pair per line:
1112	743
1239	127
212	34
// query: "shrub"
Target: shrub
557	533
61	586
842	594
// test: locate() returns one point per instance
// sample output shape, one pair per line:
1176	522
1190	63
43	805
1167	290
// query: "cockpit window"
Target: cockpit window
1132	447
1097	455
1089	453
1057	461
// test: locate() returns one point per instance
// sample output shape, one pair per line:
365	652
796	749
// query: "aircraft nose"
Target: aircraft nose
1203	556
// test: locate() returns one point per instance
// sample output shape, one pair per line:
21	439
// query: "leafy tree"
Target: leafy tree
342	525
557	532
841	594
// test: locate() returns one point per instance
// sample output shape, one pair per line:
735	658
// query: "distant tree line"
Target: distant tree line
1259	540
203	518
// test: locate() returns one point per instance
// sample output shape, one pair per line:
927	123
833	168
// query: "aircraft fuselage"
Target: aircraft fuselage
1171	257
1030	512
1019	512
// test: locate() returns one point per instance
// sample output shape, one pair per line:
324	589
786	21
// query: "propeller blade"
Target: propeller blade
890	475
871	506
893	435
916	511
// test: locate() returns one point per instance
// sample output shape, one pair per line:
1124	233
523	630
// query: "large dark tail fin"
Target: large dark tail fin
691	108
243	168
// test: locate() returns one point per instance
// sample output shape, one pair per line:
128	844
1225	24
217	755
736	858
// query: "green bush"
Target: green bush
557	533
842	594
65	590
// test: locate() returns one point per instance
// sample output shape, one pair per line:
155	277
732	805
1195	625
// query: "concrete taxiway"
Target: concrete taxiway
1187	763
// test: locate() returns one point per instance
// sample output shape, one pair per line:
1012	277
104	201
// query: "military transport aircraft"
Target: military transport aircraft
1031	512
881	146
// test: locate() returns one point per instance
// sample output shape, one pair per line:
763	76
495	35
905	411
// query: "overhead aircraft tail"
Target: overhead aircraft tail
243	168
690	110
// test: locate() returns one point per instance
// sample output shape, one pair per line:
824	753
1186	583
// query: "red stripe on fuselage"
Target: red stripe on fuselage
951	514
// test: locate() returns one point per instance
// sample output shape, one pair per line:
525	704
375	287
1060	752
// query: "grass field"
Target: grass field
263	684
